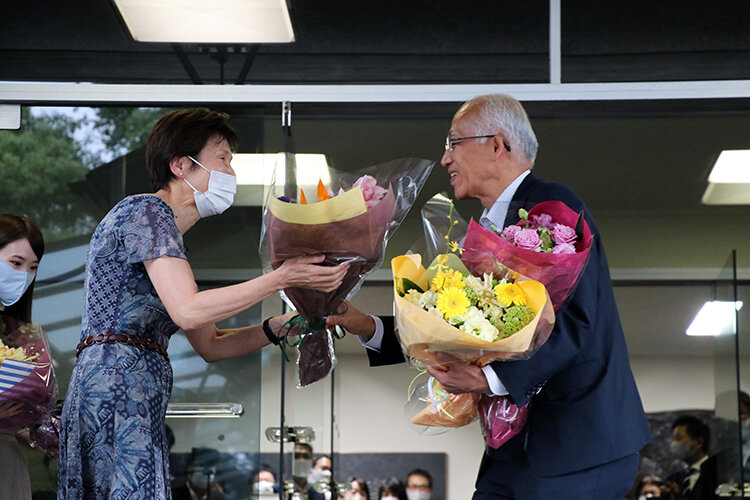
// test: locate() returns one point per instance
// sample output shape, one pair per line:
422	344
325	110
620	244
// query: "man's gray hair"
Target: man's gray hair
502	113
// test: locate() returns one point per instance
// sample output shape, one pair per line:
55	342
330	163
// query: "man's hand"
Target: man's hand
353	321
458	376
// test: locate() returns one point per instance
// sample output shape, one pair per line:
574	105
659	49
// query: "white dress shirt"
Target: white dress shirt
494	216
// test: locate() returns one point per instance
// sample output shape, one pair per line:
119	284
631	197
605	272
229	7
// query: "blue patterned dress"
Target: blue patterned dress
112	440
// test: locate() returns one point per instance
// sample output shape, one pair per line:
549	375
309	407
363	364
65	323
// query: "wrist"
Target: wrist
272	337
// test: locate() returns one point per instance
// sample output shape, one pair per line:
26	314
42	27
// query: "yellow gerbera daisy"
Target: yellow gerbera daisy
510	294
452	301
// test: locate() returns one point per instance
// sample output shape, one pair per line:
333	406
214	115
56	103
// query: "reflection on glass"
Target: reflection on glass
204	410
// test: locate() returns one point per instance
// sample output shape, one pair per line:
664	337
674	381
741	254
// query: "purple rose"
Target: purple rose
510	232
563	234
528	239
543	220
564	248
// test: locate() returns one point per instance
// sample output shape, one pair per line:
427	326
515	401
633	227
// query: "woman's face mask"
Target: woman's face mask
219	195
18	265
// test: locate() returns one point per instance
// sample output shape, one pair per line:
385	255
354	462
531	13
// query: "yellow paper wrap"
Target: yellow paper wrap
422	334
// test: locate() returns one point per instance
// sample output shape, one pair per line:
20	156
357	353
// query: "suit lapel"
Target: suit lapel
519	197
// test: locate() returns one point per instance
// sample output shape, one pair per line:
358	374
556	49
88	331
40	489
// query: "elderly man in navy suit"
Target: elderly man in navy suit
586	423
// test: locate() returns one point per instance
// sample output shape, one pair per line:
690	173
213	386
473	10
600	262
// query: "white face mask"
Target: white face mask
219	195
417	495
302	466
13	283
263	487
354	496
388	498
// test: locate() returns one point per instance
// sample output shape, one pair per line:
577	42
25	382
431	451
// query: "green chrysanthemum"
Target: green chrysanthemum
515	318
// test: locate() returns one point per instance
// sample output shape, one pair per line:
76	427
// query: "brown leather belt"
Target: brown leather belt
111	338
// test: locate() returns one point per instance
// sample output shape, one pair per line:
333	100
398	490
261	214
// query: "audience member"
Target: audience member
263	482
359	491
690	443
419	485
303	464
393	489
648	486
201	477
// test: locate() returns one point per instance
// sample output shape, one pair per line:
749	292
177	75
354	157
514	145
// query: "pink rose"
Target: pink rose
564	248
510	232
528	239
543	220
563	234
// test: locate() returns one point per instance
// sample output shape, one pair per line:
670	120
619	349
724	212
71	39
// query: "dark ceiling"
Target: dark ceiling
417	41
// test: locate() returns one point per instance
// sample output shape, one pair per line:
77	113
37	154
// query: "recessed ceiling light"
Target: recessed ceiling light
202	21
716	317
729	180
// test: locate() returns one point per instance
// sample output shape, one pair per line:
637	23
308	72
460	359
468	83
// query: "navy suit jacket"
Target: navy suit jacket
585	409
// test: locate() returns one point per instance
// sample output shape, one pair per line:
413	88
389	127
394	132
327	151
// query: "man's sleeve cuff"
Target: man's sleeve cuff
496	387
376	340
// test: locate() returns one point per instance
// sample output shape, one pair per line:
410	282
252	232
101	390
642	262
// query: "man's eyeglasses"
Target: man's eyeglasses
450	141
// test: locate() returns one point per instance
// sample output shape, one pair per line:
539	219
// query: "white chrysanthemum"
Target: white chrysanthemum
477	324
428	300
414	297
435	312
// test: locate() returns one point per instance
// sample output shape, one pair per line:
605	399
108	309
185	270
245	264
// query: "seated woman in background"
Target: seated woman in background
21	249
139	290
393	489
359	491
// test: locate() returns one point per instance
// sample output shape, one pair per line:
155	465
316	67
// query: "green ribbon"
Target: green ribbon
437	389
305	325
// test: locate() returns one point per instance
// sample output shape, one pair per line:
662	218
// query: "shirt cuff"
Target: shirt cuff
496	387
376	340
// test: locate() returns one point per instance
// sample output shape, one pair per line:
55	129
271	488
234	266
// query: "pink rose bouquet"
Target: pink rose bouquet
549	244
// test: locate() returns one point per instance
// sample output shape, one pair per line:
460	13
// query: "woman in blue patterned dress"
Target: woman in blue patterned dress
139	290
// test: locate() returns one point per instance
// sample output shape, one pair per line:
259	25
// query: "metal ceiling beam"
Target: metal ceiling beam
84	93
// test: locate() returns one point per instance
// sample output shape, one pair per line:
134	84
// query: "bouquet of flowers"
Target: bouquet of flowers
354	216
550	244
444	309
26	374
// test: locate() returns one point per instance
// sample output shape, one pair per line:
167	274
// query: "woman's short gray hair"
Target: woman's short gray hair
500	111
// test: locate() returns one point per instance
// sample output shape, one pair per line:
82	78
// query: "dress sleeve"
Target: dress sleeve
149	232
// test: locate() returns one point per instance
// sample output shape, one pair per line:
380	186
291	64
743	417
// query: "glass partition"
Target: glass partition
726	429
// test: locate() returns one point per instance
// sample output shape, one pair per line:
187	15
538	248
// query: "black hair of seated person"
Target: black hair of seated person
308	446
640	481
393	486
261	468
183	132
695	428
362	483
420	472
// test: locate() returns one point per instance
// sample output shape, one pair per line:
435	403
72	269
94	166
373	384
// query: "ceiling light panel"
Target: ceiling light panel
203	21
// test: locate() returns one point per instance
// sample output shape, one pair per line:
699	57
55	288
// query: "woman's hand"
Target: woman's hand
304	272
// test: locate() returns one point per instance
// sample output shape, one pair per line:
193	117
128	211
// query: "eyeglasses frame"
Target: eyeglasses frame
449	141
